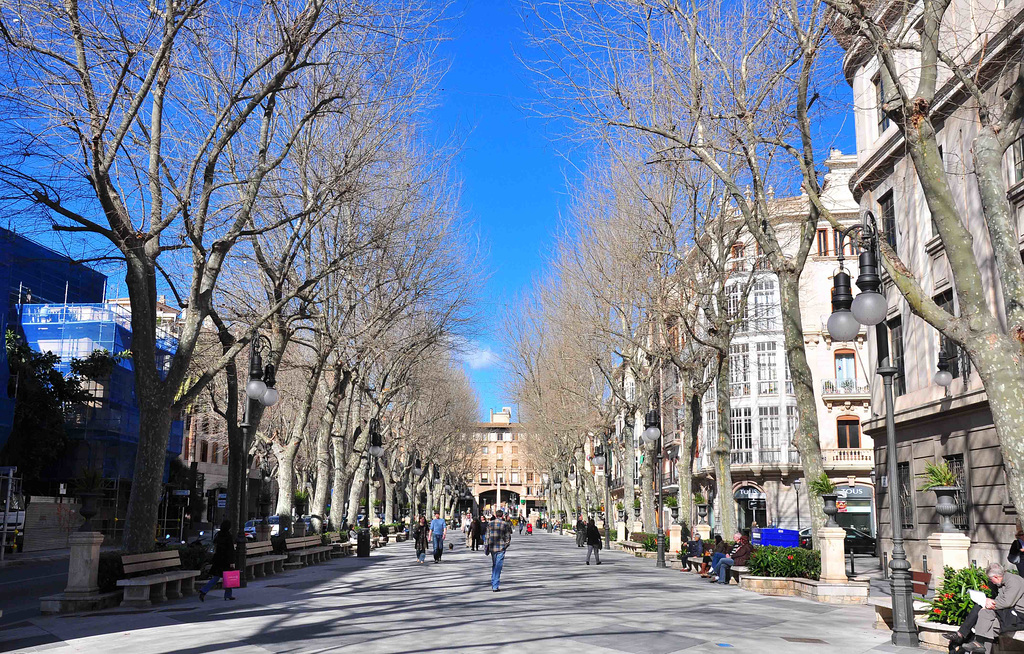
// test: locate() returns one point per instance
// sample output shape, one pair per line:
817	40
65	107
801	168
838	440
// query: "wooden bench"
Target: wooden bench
305	550
260	560
919	582
341	547
167	580
374	542
630	546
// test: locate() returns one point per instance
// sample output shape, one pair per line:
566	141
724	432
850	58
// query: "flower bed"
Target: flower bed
952	603
770	561
648	540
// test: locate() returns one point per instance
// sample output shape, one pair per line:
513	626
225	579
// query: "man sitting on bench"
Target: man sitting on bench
694	552
999	615
739	555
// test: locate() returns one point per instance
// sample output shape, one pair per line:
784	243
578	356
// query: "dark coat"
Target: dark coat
742	552
593	536
420	537
475	528
223	553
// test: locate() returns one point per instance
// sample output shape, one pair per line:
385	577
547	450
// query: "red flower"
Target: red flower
790	557
984	587
937	610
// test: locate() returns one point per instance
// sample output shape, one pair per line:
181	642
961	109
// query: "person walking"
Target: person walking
593	541
521	525
499	537
421	536
223	559
476	530
438	529
581	532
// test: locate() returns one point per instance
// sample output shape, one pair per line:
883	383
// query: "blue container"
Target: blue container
780	537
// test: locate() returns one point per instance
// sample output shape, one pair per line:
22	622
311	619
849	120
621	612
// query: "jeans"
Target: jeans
211	583
723	574
596	550
438	546
497	561
715	558
422	556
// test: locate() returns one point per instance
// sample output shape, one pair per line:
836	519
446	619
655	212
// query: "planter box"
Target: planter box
930	634
829	593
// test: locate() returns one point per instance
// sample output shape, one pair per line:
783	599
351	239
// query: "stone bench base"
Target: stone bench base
819	591
143	591
264	566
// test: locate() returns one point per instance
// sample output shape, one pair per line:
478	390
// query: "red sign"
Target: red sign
841	505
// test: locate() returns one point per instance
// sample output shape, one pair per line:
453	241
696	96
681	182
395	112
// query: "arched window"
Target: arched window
630	389
848	432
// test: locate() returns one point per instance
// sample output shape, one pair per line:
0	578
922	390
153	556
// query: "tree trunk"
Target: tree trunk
627	453
723	446
806	438
648	472
687	450
323	480
286	481
147	480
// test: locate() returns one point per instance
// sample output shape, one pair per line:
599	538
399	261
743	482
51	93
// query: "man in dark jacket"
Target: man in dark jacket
581	532
739	555
476	533
593	541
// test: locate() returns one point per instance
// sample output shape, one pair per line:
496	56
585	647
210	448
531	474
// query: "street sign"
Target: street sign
182	493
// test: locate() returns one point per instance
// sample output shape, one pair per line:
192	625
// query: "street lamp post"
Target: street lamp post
376	449
602	457
652	434
557	485
259	393
796	489
848	314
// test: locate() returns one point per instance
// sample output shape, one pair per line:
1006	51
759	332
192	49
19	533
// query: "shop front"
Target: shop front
855	504
751	508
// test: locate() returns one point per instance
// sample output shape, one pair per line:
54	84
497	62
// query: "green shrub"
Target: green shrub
952	603
648	540
769	561
614	534
671	501
110	570
384	530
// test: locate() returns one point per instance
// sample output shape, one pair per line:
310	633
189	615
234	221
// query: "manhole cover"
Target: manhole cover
794	639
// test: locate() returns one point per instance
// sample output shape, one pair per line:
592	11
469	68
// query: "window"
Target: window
499	449
1017	161
899	381
204	452
789	378
769	429
956	466
515	477
848	432
515	463
735	309
499	477
883	119
529	477
792	421
515	449
739	371
955	355
846	369
484	450
822	242
888	210
216	453
906	494
483	478
764	305
767	369
742	431
629	387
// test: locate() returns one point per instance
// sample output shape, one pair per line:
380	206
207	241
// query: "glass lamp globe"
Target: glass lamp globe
598	460
417	471
943	378
270	397
376	450
651	434
842	326
255	389
869	308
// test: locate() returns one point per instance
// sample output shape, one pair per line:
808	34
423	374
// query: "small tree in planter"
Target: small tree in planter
939	479
636	508
301	501
621	508
825	487
672	502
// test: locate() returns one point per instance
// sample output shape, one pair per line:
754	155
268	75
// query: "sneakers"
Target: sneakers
202	596
588	562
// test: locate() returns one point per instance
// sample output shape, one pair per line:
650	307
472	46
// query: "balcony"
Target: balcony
848	458
845	393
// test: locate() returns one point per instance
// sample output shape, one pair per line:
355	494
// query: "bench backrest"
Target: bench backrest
335	537
259	548
302	542
919	582
163	560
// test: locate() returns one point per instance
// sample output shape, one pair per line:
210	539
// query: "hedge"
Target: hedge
952	603
770	561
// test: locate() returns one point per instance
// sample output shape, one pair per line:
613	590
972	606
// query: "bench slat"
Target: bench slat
128	559
153	565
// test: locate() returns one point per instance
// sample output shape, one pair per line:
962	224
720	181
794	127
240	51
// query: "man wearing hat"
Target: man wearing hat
499	536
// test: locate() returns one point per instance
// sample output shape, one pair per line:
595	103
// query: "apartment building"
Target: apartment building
504	477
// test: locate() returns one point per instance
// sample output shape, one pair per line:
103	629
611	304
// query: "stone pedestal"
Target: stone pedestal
637	526
833	559
675	541
947	548
84	564
298	528
375	521
704	531
263	532
599	523
620	530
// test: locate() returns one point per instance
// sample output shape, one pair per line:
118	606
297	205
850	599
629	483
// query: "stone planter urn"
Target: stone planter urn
702	512
675	512
946	507
636	512
622	515
830	509
89	508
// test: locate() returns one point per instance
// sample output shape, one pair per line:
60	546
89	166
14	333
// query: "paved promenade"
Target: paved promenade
550	602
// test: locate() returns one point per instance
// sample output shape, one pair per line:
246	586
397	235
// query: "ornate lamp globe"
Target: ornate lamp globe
255	389
270	397
869	308
943	377
651	432
842	325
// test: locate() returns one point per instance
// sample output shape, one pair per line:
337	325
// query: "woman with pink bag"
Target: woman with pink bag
223	562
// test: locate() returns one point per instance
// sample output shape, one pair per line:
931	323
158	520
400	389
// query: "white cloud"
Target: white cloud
478	356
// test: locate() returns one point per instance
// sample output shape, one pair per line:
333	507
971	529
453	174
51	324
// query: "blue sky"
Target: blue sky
513	176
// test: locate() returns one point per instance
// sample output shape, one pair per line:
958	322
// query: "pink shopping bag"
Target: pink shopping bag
232	579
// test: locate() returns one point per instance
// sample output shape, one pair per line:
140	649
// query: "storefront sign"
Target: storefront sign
748	493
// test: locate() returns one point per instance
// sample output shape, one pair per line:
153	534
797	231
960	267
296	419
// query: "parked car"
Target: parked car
857	541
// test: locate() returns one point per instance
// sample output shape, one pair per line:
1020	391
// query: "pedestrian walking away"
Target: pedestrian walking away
593	542
223	559
476	531
438	530
499	537
421	537
520	521
581	532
